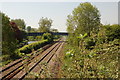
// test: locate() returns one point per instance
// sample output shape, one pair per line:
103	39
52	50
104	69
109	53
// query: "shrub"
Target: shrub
89	42
47	36
101	36
36	45
100	62
22	43
112	32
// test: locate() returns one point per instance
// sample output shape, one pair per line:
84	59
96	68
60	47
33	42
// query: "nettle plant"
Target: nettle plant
81	39
70	54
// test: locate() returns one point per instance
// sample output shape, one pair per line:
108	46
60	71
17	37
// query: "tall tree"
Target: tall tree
28	28
8	36
20	23
17	32
54	30
84	19
45	24
33	30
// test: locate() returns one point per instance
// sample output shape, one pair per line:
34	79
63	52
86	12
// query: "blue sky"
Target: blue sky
31	12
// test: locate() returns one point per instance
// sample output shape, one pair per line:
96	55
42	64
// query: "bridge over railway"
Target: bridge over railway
41	33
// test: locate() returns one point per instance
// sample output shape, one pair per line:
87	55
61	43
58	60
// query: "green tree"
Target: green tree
112	31
20	23
28	28
8	38
0	33
18	34
70	24
54	30
70	30
45	24
84	19
33	30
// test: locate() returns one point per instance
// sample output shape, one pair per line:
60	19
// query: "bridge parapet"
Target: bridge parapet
53	33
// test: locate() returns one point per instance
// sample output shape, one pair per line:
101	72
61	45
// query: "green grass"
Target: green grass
5	59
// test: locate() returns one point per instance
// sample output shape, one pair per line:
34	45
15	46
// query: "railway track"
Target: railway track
21	68
39	68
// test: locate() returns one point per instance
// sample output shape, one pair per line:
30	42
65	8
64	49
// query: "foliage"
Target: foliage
97	58
20	23
89	43
11	35
53	30
33	30
34	38
18	34
84	18
31	38
21	44
92	49
55	36
69	54
8	37
38	38
47	36
100	62
101	36
82	36
5	59
45	24
33	46
112	32
28	28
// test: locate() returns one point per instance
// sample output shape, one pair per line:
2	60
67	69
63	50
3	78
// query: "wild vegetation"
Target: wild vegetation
14	41
92	48
9	41
20	23
44	26
47	38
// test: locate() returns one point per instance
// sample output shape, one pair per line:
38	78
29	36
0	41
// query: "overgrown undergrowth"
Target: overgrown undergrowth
99	62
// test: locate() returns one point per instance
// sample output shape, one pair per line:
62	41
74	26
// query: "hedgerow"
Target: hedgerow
33	46
46	38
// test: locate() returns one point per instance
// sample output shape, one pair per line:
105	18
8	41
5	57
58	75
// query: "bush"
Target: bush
36	45
112	32
100	62
23	43
101	36
31	38
38	37
47	36
89	42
